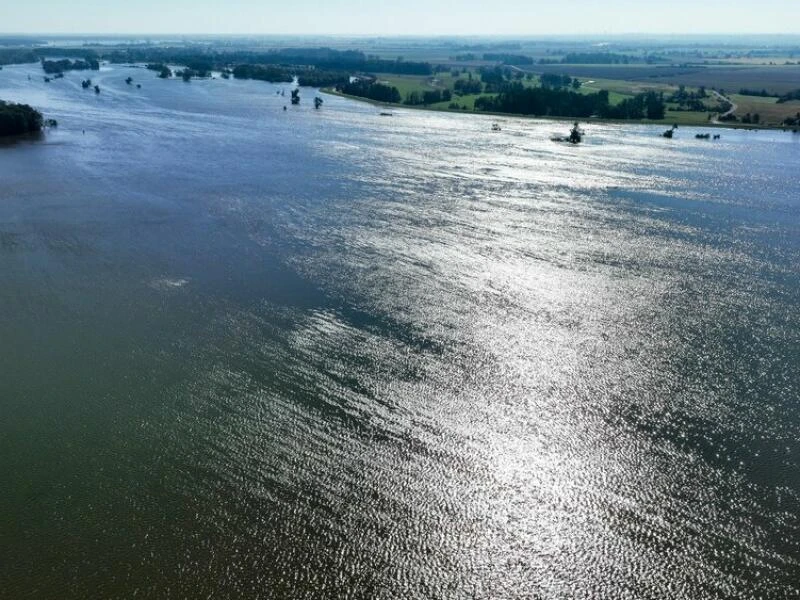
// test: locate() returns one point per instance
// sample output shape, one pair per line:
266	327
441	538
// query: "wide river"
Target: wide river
255	353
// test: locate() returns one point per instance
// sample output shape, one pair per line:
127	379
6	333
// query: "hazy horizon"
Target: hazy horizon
412	18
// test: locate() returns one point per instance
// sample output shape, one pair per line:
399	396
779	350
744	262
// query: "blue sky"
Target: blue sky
402	17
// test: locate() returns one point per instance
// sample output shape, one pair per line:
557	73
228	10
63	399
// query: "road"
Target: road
724	99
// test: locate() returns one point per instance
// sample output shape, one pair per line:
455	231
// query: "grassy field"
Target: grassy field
771	114
624	88
775	78
688	118
416	83
406	84
768	109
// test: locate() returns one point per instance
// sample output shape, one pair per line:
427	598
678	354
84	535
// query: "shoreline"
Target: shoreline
665	122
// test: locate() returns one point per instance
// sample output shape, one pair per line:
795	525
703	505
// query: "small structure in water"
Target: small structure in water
702	136
669	132
575	135
496	127
385	114
717	136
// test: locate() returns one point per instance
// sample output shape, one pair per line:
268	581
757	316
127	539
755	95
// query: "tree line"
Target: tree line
515	98
271	73
59	66
364	88
689	101
788	97
17	119
321	78
509	59
201	58
428	97
12	56
762	93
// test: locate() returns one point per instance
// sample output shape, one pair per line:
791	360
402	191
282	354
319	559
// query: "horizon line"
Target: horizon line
400	35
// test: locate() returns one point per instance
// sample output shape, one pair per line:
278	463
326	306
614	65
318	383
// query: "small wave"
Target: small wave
168	283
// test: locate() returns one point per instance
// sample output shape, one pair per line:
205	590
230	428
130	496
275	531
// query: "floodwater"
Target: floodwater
255	353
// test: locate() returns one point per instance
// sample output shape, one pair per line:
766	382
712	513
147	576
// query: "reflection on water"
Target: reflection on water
254	353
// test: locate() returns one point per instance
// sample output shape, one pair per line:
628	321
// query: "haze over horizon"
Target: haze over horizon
413	17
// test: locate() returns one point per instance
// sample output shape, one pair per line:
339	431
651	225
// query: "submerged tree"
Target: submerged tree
295	96
575	134
317	102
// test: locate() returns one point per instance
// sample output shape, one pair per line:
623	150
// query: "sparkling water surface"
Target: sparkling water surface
255	353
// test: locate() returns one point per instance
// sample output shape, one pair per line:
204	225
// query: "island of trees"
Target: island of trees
18	119
59	66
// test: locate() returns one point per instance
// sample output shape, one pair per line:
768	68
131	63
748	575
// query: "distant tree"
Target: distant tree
271	73
413	98
467	86
372	90
492	78
789	96
654	106
554	80
319	78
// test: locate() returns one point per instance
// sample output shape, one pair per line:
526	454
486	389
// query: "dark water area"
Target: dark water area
255	353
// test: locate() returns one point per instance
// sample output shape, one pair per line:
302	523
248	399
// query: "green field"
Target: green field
406	84
768	109
727	68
